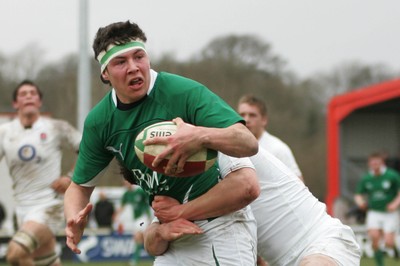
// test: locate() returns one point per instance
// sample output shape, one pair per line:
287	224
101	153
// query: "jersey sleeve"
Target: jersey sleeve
209	110
228	164
360	188
93	159
70	135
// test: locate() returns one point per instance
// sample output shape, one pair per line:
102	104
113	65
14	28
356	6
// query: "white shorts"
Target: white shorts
386	221
333	239
50	213
229	240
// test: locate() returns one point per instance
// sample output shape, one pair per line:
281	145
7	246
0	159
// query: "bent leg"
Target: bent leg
390	239
20	249
33	243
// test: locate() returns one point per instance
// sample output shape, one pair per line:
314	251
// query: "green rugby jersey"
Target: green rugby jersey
380	190
110	132
138	199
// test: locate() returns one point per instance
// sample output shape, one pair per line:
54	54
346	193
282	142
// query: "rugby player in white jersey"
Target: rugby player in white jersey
32	147
293	227
254	111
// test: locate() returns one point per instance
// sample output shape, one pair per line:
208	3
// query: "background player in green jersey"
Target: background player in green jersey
378	192
141	215
140	97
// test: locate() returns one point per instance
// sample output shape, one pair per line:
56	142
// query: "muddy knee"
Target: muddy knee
20	248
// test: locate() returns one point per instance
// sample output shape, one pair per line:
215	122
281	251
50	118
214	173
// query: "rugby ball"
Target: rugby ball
196	164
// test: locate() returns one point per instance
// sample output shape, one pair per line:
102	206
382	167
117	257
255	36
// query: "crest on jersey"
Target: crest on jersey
26	152
386	184
43	136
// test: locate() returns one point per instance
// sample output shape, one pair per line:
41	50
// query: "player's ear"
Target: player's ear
264	120
15	105
104	76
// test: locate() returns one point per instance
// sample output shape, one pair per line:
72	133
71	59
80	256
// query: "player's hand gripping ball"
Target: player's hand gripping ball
196	164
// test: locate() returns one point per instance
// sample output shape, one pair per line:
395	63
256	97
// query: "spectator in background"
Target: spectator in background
378	192
254	112
141	215
104	211
2	215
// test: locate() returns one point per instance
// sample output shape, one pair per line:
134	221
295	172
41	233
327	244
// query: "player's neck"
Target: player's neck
27	120
259	134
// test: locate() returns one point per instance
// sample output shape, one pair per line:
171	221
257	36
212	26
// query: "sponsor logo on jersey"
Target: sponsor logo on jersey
151	183
27	152
116	151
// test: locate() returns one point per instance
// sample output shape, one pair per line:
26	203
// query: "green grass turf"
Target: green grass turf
371	262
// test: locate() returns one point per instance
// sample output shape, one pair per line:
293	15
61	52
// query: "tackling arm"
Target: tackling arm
235	191
157	236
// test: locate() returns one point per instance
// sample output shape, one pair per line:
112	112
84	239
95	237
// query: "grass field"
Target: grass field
364	262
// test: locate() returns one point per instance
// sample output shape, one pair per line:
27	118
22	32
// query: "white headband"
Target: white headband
114	50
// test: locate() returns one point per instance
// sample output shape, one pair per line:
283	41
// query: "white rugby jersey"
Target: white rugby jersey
33	156
280	150
285	210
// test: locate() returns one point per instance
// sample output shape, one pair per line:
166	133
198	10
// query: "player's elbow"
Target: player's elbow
251	187
254	191
253	147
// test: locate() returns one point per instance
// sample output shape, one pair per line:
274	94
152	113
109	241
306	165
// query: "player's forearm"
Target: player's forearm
153	242
234	192
75	199
235	140
360	201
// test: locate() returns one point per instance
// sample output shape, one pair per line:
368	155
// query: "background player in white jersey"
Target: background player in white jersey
138	98
32	147
293	227
254	111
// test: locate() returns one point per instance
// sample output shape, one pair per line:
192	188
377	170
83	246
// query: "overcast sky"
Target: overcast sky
311	35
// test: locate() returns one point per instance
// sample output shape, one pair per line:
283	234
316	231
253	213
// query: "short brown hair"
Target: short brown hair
23	83
253	100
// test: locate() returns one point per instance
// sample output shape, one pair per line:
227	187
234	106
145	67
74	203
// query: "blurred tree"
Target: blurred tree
24	64
346	77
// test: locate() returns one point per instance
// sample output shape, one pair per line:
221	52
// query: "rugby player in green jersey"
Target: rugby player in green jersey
139	97
378	192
